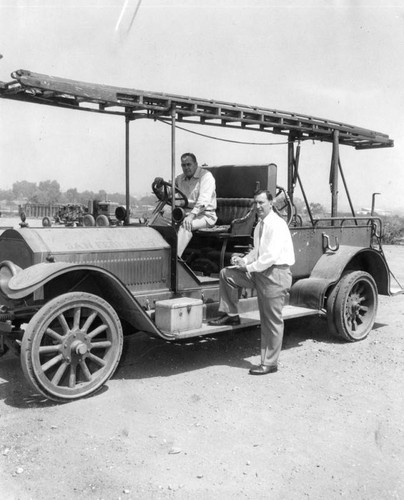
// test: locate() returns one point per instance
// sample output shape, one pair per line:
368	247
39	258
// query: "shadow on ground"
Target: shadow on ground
144	356
147	357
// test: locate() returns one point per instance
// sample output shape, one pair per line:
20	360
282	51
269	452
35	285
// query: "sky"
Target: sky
339	60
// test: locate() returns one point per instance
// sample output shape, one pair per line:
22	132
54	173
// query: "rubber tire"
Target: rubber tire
331	298
356	289
46	222
37	329
88	221
102	221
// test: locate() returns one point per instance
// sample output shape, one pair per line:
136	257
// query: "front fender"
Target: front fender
61	277
23	282
310	292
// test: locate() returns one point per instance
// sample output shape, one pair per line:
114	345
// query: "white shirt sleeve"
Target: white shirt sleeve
206	194
274	248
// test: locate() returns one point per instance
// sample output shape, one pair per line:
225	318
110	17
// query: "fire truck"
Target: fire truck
68	297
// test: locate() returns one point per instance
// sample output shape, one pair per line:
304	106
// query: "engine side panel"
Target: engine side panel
138	256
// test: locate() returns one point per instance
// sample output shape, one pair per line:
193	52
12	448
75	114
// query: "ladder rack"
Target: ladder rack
43	89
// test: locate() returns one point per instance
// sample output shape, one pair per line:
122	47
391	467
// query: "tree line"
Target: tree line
49	192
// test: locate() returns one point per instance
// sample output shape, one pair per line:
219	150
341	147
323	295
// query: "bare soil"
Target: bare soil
185	420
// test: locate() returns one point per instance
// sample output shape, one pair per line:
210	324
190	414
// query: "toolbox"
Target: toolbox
179	315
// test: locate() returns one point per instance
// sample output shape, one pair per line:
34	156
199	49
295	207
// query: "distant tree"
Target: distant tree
317	208
393	229
85	196
6	195
48	192
299	204
24	189
148	200
102	195
117	198
72	195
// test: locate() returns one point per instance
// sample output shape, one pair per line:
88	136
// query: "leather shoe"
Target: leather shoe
225	320
263	370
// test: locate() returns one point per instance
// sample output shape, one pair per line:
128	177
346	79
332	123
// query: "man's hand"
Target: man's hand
187	222
238	261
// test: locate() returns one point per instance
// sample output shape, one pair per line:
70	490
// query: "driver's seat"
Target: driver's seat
235	188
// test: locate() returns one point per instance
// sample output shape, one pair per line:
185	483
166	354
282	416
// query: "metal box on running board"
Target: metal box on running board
179	315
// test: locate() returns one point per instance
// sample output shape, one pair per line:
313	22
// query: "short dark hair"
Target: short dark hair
264	191
191	155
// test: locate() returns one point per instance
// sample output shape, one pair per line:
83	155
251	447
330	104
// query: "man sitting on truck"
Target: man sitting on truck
199	186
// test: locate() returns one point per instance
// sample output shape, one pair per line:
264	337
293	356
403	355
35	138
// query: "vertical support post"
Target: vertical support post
291	162
173	123
372	213
346	190
174	246
334	174
127	188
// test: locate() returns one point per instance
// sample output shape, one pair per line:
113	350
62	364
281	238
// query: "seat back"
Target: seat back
229	209
235	188
241	181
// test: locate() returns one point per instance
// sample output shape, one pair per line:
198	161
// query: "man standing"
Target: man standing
265	268
199	186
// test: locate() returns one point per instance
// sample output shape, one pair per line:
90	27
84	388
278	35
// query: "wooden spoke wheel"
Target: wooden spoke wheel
355	306
71	346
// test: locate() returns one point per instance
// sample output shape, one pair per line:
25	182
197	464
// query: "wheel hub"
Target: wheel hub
75	346
353	304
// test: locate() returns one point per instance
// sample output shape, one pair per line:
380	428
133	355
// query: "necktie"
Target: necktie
260	231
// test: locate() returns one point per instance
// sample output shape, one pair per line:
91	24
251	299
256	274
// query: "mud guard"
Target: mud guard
28	280
310	292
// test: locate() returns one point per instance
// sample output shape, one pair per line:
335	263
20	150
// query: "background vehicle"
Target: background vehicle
67	297
70	214
101	213
97	213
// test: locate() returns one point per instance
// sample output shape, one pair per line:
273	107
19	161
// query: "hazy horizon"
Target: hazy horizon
333	60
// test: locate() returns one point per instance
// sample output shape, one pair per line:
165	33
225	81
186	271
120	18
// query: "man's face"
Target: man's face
263	205
188	166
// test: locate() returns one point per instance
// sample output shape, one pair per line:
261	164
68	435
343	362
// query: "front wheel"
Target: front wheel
71	346
88	221
355	306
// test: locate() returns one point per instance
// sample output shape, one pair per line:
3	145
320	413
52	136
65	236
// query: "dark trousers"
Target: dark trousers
272	286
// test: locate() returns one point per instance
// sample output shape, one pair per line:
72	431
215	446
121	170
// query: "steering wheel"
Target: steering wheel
163	189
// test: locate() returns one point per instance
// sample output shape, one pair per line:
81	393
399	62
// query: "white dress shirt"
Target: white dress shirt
200	190
275	247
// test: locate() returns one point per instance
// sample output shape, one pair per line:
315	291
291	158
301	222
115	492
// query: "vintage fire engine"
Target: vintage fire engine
67	296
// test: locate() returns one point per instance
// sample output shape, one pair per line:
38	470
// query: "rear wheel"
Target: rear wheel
71	346
102	221
355	306
46	222
331	298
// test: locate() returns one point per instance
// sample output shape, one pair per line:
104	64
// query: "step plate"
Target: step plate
248	320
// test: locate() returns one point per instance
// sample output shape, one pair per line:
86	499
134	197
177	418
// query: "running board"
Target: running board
247	320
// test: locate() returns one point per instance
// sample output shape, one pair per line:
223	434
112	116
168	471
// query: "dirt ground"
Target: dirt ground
185	420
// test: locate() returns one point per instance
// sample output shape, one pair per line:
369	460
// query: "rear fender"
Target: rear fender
310	292
48	280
